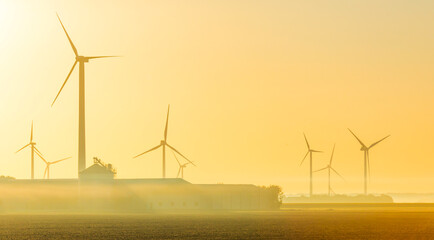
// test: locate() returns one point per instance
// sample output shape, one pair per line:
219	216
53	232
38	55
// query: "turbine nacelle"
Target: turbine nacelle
81	59
312	150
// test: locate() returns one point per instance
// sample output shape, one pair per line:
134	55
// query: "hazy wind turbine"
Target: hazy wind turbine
329	168
309	152
34	150
81	116
181	166
365	150
48	164
163	144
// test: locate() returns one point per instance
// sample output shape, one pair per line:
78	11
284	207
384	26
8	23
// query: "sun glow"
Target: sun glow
243	87
6	23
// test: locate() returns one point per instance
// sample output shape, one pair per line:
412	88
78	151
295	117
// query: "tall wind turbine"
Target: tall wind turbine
330	168
365	150
309	152
181	166
163	144
48	164
81	60
34	150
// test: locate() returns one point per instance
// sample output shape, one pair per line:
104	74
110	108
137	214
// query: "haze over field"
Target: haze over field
244	79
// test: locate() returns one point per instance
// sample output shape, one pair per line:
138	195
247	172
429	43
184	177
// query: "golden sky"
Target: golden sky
244	79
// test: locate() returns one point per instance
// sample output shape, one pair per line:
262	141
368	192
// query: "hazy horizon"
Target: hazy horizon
244	80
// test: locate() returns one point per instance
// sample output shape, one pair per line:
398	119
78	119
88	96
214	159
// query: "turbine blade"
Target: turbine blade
67	77
338	174
321	169
37	150
377	142
93	57
332	191
316	151
307	143
180	154
23	148
152	149
179	163
31	133
63	159
167	123
333	151
357	138
43	159
45	172
304	157
69	39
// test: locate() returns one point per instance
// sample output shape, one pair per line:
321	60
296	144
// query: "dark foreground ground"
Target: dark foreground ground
290	223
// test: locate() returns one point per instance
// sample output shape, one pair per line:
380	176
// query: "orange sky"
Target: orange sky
244	79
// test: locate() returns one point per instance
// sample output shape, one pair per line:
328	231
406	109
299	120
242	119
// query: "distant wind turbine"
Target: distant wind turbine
181	166
329	168
48	164
365	150
163	144
309	152
81	106
34	150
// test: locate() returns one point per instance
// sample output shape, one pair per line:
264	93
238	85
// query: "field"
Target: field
290	223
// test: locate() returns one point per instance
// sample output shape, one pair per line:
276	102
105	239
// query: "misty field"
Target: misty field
289	224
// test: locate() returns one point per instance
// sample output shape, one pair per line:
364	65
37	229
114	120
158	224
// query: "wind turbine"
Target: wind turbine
182	166
330	168
163	144
34	150
365	150
81	60
47	168
309	152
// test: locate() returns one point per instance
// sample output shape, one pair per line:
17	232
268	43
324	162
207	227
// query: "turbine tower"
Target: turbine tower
48	164
365	150
34	150
163	144
330	168
181	166
81	60
309	152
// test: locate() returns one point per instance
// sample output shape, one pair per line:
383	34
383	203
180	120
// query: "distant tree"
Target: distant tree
277	193
6	178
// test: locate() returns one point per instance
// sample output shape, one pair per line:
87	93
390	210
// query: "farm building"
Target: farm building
98	190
